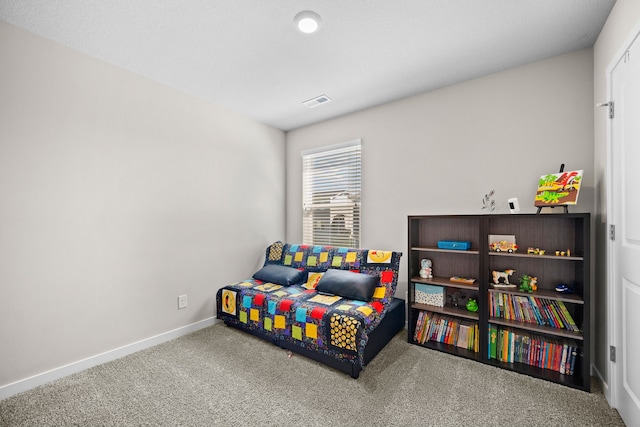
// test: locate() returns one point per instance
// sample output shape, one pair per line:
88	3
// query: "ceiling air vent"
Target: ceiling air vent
322	99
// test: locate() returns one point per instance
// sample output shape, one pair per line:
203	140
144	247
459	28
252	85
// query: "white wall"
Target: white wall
623	18
118	194
442	151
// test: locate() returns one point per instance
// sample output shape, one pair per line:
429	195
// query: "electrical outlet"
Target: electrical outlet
182	302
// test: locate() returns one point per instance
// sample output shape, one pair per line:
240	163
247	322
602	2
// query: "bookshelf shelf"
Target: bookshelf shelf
554	321
444	281
543	293
539	257
453	251
448	348
453	311
574	381
537	328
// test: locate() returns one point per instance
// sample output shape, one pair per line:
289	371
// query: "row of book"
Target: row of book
446	329
531	309
508	346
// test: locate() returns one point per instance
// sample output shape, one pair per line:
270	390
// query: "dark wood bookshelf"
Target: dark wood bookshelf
550	232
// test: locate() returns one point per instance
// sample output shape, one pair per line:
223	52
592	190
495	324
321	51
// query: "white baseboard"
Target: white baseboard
603	383
72	368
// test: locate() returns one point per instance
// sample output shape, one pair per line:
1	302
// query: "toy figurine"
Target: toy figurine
456	299
472	305
535	251
565	289
497	275
426	271
528	283
503	246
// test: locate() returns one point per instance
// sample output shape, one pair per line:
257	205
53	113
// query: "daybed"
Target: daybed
334	305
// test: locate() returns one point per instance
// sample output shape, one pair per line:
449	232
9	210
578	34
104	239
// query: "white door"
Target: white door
625	249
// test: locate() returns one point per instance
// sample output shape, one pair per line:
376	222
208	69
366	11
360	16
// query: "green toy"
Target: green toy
528	283
472	305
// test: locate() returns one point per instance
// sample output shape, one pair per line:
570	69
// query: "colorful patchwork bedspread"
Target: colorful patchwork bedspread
298	314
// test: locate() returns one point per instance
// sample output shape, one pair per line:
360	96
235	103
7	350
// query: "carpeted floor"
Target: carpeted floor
219	376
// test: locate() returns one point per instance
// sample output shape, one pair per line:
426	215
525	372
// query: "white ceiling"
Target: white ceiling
247	56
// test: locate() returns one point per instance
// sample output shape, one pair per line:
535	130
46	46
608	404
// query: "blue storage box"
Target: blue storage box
454	244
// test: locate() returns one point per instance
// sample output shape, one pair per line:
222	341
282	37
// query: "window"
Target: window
331	195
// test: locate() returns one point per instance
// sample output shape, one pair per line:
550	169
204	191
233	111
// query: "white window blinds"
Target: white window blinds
331	195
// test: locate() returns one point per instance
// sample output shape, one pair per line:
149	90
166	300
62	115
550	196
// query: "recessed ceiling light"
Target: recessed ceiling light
307	21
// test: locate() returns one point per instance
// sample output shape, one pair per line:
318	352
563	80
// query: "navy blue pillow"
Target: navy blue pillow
280	275
347	284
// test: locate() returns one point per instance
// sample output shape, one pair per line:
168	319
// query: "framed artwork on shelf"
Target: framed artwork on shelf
558	189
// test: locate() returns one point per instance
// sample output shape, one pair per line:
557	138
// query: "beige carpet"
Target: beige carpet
222	377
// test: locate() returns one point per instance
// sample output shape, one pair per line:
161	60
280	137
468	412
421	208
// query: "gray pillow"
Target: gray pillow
347	284
280	275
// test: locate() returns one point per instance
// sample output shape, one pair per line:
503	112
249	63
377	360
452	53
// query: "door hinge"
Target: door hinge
612	353
607	104
612	232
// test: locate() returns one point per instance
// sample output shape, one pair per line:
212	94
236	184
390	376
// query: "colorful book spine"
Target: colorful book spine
567	316
563	360
531	309
551	315
574	356
493	339
462	336
447	330
552	354
476	338
536	310
416	333
443	330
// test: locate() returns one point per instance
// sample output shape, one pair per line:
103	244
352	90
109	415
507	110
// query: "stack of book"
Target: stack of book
530	309
508	346
446	329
